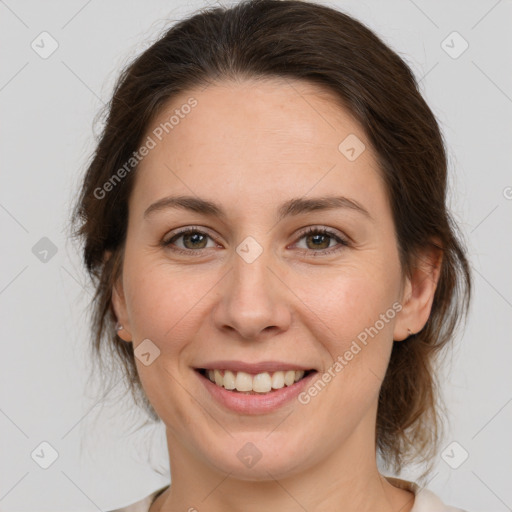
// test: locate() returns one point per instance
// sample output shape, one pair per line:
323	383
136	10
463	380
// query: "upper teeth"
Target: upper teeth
261	383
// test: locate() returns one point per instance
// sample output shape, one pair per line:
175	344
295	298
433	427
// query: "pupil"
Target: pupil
317	239
196	237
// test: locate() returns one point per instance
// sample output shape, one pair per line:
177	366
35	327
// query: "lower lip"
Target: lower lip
255	404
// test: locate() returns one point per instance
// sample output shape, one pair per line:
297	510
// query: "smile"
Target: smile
249	401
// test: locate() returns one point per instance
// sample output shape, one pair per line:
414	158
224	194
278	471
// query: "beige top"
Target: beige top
425	500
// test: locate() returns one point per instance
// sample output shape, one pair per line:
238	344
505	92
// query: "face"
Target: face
273	277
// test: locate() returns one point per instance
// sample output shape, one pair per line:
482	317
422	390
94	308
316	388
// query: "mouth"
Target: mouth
263	383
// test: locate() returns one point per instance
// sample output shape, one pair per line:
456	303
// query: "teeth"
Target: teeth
289	377
278	380
229	380
243	382
260	383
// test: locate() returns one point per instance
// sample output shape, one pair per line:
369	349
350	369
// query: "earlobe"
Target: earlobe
119	306
419	292
402	330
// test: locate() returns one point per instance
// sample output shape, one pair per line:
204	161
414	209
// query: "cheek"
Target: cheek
164	306
356	329
163	303
347	303
355	314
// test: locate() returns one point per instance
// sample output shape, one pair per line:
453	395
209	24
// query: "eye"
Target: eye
319	240
192	240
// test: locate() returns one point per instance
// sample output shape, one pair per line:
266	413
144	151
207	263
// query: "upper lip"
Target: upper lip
253	368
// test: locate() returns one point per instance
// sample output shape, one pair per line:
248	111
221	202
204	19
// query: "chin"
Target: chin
258	457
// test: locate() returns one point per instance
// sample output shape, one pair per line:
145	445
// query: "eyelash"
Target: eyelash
312	230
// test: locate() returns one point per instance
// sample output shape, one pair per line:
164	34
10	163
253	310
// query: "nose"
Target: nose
254	303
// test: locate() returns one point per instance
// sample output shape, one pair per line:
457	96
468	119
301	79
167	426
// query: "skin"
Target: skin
250	146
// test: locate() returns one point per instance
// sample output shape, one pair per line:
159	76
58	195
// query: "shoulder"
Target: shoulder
143	504
424	500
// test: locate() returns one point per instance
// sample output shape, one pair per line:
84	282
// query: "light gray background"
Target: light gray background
48	107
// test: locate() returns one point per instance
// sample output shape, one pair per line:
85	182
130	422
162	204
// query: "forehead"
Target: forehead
255	137
279	111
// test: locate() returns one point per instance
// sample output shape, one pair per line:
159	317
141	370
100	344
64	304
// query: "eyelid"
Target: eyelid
176	233
321	228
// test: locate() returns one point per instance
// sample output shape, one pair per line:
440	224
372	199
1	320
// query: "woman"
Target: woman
265	221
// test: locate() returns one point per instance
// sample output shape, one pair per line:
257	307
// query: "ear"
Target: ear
119	307
418	293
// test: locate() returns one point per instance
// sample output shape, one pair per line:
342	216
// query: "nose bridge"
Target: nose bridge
250	278
253	299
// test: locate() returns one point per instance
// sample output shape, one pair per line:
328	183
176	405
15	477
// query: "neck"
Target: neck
347	479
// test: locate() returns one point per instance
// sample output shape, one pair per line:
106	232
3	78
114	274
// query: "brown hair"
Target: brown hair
299	40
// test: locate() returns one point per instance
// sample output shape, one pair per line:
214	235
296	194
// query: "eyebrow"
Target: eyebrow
292	207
